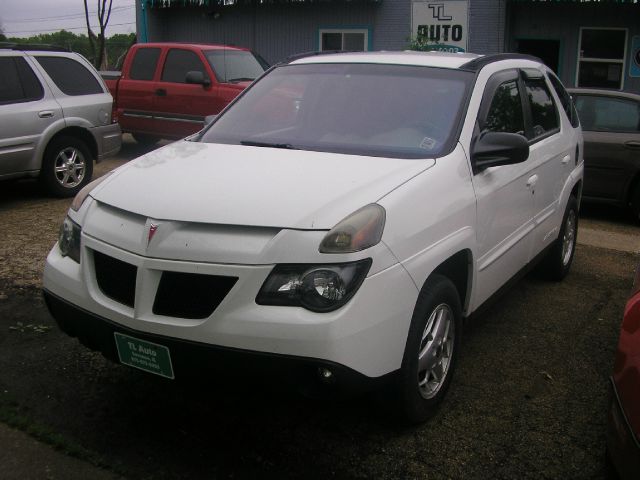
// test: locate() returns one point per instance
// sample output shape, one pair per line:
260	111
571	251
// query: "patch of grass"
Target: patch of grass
10	415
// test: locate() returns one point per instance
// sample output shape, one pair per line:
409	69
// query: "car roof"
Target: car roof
603	93
462	61
201	46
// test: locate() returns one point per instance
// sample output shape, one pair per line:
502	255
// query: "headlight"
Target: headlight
82	195
319	288
362	229
69	239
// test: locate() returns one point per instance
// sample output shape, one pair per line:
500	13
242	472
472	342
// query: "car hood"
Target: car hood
253	186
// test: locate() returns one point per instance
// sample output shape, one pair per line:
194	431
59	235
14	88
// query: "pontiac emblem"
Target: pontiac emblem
152	231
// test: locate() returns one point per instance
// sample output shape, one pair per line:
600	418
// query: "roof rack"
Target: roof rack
478	63
32	46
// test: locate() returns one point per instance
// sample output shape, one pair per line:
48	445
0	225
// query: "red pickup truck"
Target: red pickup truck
166	90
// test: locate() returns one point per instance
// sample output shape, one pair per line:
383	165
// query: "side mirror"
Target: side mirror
197	78
492	149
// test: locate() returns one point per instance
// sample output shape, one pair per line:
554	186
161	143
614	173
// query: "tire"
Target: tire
635	203
145	139
429	360
67	166
560	257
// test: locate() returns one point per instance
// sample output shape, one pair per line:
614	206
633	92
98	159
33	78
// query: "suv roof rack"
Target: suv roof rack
478	63
32	46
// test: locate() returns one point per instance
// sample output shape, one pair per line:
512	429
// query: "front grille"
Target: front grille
190	295
116	279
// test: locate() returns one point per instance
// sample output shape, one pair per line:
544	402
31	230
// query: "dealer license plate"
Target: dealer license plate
146	356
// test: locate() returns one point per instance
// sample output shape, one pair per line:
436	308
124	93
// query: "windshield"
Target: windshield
364	109
235	65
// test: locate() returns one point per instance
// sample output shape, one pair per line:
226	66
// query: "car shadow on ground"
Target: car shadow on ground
608	213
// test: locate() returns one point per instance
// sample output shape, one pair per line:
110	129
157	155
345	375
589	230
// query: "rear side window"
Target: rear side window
505	112
178	63
608	114
143	66
544	115
18	83
565	99
70	76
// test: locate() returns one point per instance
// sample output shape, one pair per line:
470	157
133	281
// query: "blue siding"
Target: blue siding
563	21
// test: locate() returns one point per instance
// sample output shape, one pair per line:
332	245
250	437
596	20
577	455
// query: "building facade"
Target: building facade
588	43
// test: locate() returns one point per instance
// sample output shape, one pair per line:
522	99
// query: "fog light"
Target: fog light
325	374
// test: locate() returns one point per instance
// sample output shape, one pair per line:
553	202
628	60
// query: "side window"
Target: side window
178	63
505	112
565	99
608	114
18	83
143	66
544	115
70	76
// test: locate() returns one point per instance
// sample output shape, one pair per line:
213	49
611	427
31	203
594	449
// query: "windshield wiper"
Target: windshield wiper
286	146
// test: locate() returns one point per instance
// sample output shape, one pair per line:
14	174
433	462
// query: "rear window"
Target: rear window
393	111
608	114
543	110
70	76
18	83
143	66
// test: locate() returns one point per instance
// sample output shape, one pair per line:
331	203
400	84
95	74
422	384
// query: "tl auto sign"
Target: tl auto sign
440	25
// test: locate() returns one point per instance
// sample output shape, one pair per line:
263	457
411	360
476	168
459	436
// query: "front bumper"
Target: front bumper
367	335
622	444
195	360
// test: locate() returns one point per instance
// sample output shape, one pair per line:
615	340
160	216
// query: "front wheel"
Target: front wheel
431	350
67	166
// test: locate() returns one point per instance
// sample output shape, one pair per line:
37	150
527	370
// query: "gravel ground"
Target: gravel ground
528	400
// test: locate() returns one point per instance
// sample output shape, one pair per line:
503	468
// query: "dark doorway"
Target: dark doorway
546	50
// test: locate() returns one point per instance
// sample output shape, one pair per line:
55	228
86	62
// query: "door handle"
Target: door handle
632	144
161	92
531	182
45	114
566	159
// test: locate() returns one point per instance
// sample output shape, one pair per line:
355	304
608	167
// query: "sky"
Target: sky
24	18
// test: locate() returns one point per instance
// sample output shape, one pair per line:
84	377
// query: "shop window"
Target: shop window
349	40
601	57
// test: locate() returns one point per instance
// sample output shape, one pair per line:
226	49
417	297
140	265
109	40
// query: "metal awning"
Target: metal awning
232	3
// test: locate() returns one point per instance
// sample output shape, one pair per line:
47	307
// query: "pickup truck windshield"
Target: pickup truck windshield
363	109
234	65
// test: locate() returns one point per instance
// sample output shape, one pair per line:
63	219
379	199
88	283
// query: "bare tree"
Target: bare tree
98	42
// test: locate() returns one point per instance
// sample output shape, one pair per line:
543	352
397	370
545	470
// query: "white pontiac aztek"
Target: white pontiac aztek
337	223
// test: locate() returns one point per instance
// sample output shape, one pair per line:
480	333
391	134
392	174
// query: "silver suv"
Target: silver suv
55	117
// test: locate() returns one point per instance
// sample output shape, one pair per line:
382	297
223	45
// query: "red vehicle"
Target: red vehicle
166	90
623	433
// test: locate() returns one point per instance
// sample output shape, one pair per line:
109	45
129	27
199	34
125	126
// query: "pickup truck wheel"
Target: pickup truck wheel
431	350
145	139
560	257
67	166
